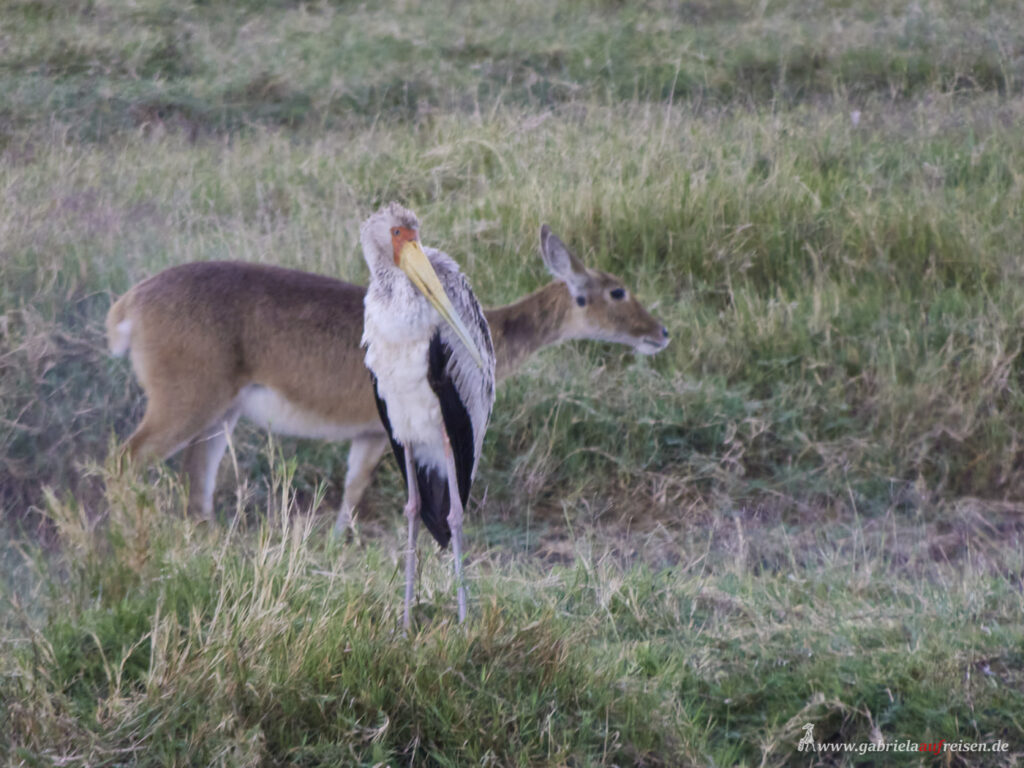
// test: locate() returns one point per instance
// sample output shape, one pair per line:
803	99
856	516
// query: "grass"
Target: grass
807	509
170	644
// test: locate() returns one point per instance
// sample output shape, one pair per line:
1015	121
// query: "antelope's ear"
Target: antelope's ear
561	263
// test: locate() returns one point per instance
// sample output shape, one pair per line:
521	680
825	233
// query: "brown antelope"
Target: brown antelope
213	341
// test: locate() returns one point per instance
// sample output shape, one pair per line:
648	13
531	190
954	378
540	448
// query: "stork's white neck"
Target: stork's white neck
396	311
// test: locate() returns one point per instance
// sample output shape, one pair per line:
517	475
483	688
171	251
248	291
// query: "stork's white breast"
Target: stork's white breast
399	362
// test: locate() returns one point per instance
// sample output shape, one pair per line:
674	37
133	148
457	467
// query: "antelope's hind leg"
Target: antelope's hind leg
187	401
200	460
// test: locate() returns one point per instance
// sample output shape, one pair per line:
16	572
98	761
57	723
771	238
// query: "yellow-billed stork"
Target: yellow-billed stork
429	351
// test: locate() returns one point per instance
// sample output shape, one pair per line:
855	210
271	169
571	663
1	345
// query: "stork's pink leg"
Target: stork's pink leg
412	513
455	523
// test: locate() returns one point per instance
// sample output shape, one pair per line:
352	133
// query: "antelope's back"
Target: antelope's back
294	331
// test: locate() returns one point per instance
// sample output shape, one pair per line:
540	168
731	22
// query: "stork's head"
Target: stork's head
391	239
385	233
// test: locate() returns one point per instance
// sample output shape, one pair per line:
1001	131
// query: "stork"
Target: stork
429	351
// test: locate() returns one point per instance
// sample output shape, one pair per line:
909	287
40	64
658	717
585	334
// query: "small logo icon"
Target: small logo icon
808	739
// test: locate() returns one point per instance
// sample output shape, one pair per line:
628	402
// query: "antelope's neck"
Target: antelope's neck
521	328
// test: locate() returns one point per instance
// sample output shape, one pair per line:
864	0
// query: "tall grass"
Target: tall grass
836	329
172	644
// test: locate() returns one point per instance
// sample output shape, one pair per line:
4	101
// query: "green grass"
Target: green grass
169	644
807	509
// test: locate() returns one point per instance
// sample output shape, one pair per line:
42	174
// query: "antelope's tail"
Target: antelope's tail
119	326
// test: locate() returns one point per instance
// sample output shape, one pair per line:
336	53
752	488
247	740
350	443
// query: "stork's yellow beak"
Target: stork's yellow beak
414	262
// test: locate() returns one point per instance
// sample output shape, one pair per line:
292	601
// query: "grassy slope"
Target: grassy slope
805	510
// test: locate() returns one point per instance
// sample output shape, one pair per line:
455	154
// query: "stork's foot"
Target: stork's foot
412	514
460	581
455	523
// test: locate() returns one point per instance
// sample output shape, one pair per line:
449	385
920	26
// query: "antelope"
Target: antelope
211	342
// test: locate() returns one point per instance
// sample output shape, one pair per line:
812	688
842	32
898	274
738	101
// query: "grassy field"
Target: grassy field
808	509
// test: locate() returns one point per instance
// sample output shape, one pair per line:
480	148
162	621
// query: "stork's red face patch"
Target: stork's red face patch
399	237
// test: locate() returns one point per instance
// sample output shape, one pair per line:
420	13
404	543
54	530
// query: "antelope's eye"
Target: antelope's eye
618	294
581	301
396	232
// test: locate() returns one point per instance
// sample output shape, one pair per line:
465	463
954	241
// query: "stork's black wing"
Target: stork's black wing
434	499
457	422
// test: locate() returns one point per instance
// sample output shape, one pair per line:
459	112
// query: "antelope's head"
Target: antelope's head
602	307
